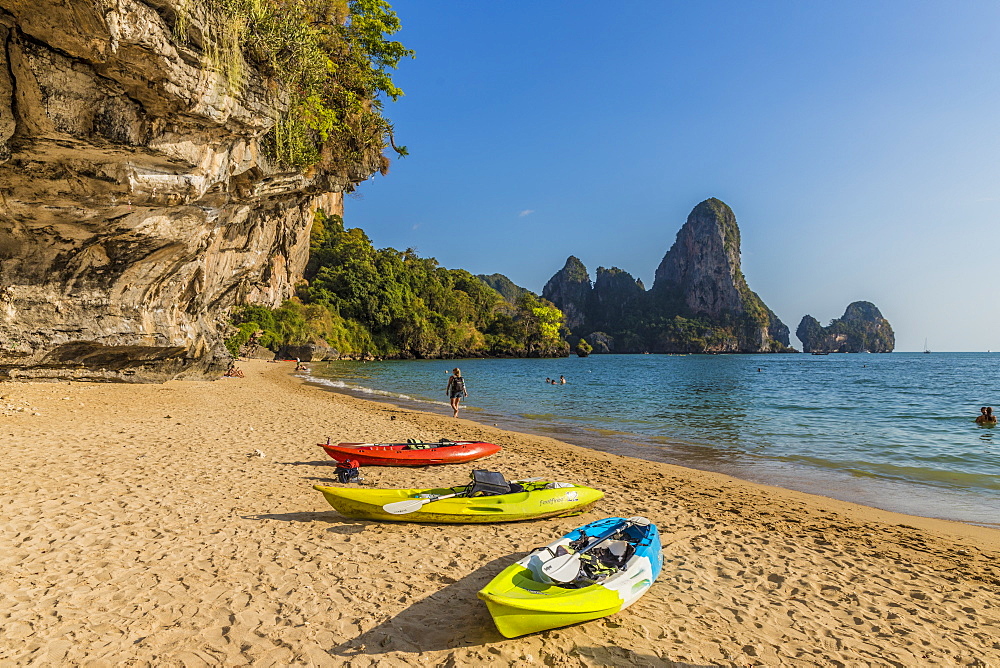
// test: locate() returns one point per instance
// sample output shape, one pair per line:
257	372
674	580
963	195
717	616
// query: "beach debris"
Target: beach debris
256	453
10	408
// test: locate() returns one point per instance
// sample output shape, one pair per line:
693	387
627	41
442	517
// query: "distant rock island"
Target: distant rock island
861	329
699	303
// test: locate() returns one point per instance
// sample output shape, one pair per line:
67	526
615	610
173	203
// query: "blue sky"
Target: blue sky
858	144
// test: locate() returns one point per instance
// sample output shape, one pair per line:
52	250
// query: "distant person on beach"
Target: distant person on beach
233	371
456	389
987	416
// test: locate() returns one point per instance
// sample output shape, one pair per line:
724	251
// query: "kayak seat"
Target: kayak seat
419	446
488	483
614	553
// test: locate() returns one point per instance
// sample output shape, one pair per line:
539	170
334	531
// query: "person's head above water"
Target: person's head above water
983	410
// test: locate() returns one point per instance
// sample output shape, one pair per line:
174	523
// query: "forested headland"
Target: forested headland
361	302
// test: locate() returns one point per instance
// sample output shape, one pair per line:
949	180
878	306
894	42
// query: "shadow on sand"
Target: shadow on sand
450	618
322	516
341	525
619	656
315	462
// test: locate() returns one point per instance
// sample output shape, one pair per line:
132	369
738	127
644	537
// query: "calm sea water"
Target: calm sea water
894	431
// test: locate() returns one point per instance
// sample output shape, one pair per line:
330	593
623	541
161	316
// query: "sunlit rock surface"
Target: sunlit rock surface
136	203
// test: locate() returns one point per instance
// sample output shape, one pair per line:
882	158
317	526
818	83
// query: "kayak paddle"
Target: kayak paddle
565	567
413	505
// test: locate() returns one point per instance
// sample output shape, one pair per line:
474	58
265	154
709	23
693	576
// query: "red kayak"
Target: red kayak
410	454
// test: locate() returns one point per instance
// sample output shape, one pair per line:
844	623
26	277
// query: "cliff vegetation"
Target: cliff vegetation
330	60
361	302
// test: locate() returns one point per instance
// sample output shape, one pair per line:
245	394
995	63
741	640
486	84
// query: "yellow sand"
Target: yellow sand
137	529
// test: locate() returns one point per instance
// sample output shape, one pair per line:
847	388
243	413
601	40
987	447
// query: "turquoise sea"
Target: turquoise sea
894	431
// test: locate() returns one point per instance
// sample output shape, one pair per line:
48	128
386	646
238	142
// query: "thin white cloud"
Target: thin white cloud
526	212
416	227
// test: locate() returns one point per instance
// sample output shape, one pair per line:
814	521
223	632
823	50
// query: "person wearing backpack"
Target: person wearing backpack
456	389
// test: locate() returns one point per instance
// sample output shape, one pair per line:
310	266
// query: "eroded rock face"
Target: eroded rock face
701	275
136	203
702	268
699	302
570	290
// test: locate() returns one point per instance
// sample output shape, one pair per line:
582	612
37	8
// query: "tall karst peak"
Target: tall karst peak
702	269
700	300
570	288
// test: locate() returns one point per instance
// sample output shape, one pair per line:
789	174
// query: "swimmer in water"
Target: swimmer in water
987	416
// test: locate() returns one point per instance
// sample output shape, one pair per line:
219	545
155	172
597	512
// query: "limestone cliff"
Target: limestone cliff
861	329
701	276
136	202
699	302
570	290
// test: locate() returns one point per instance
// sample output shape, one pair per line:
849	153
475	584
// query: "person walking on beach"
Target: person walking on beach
456	389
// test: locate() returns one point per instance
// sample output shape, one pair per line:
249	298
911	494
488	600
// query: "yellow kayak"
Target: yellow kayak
524	598
536	499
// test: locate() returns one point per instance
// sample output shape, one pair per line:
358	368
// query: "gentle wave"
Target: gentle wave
361	389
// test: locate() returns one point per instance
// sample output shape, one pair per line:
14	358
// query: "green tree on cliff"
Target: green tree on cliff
331	60
391	303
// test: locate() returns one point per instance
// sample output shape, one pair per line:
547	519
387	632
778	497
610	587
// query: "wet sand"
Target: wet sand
140	526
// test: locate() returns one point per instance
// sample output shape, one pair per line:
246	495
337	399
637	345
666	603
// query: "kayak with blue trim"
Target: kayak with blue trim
610	563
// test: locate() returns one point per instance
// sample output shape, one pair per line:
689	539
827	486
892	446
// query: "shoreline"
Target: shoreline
414	414
144	528
831	484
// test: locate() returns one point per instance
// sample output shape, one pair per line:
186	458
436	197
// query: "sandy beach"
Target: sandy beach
141	527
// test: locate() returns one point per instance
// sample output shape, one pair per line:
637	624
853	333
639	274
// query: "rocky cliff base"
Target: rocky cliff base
137	203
